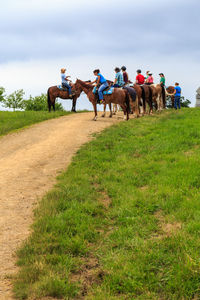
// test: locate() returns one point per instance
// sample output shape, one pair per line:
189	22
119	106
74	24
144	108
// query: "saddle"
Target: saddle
62	88
107	91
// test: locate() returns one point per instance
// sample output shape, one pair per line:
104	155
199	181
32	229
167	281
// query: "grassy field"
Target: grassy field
10	121
123	222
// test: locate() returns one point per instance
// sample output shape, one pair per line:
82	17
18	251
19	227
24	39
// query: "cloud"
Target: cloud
38	37
47	29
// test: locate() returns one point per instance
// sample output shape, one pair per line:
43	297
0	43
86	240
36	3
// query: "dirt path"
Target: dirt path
29	163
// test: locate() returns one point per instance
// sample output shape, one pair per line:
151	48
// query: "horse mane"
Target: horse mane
84	84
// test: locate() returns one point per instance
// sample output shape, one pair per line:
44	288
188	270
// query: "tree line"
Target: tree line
16	101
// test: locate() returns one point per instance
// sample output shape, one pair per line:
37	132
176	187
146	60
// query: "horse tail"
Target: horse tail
150	95
127	99
49	100
163	96
143	97
143	93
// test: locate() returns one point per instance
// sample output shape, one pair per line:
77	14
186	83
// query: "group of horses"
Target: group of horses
132	99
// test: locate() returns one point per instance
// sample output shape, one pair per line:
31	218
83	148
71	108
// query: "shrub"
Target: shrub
39	103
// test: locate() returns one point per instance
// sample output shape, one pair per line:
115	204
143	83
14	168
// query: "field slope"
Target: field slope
123	221
10	121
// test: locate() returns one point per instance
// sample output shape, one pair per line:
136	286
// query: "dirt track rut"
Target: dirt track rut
29	162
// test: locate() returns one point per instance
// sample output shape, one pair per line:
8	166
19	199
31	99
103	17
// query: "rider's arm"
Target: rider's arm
115	79
92	82
98	80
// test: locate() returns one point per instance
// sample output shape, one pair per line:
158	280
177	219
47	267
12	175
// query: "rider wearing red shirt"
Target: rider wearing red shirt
139	78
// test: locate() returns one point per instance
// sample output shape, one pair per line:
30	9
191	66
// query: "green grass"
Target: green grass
10	121
123	222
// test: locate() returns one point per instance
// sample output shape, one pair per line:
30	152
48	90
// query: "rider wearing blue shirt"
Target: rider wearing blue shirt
177	96
119	79
103	84
65	82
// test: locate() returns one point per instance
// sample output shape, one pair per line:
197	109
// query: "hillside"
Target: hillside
123	220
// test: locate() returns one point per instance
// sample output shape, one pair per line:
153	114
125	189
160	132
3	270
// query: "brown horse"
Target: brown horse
158	96
170	92
54	92
119	96
144	95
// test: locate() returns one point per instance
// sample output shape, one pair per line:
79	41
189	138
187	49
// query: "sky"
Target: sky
38	37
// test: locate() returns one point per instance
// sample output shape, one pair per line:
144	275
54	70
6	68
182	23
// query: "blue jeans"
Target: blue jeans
177	100
101	89
67	86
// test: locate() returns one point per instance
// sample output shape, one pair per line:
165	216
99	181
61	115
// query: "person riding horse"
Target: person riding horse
100	80
139	78
65	82
162	79
149	80
125	75
119	81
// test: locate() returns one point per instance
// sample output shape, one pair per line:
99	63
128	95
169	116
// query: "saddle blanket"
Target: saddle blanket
60	87
107	92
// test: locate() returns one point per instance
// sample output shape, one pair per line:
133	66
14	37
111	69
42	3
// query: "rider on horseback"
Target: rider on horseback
162	79
119	80
101	82
149	80
139	78
65	82
125	75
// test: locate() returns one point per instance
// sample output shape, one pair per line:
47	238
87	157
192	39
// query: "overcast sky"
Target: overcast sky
39	37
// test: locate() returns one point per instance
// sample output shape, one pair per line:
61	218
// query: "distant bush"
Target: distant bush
39	103
2	95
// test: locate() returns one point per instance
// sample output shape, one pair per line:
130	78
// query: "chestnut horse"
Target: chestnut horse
170	92
144	95
158	96
119	96
54	92
133	103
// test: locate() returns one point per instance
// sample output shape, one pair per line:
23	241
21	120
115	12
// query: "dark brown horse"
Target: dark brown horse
119	96
144	95
54	92
134	104
170	92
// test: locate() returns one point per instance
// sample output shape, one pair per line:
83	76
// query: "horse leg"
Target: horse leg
142	107
49	106
110	107
124	110
74	104
104	111
114	109
137	107
49	97
54	109
51	102
95	110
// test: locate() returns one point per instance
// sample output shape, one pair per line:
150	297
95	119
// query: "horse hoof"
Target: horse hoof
103	116
110	116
